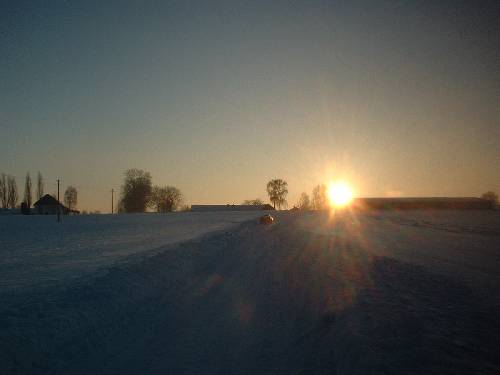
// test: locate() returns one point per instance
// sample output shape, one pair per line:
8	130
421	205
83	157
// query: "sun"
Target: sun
339	194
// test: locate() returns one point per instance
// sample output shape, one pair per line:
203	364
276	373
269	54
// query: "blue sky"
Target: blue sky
218	97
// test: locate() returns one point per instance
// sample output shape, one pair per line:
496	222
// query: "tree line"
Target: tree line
318	200
277	190
9	193
138	194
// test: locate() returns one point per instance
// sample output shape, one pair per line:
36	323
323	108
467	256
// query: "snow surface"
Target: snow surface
375	293
37	250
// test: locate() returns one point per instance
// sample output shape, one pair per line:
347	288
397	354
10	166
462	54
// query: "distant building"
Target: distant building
230	207
48	205
423	203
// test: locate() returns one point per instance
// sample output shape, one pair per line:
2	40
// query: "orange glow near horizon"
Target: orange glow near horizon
339	194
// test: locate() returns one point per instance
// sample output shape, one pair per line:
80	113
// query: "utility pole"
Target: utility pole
112	191
59	204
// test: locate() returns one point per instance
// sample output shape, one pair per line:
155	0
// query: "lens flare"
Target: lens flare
339	194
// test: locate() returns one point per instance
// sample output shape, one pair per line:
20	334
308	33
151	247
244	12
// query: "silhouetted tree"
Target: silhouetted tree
253	202
70	197
165	199
174	198
27	191
319	197
277	190
491	196
156	199
136	190
3	190
12	194
39	186
304	202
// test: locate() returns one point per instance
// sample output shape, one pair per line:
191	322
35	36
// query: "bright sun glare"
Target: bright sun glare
339	194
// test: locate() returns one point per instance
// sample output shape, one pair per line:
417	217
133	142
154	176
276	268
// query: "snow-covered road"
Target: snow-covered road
379	293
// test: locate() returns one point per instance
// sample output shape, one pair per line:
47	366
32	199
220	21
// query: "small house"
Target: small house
48	205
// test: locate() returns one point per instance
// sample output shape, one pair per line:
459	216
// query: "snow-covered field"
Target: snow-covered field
380	292
37	250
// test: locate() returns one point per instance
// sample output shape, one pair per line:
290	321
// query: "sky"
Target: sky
398	98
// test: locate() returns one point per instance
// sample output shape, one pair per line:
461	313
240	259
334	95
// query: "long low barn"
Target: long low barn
416	203
230	207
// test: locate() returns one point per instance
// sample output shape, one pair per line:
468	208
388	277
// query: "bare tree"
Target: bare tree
39	186
12	194
319	197
157	195
304	202
253	202
28	198
70	197
136	190
165	199
491	196
173	198
3	190
277	190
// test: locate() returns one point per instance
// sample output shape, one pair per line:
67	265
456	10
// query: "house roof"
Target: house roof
47	200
